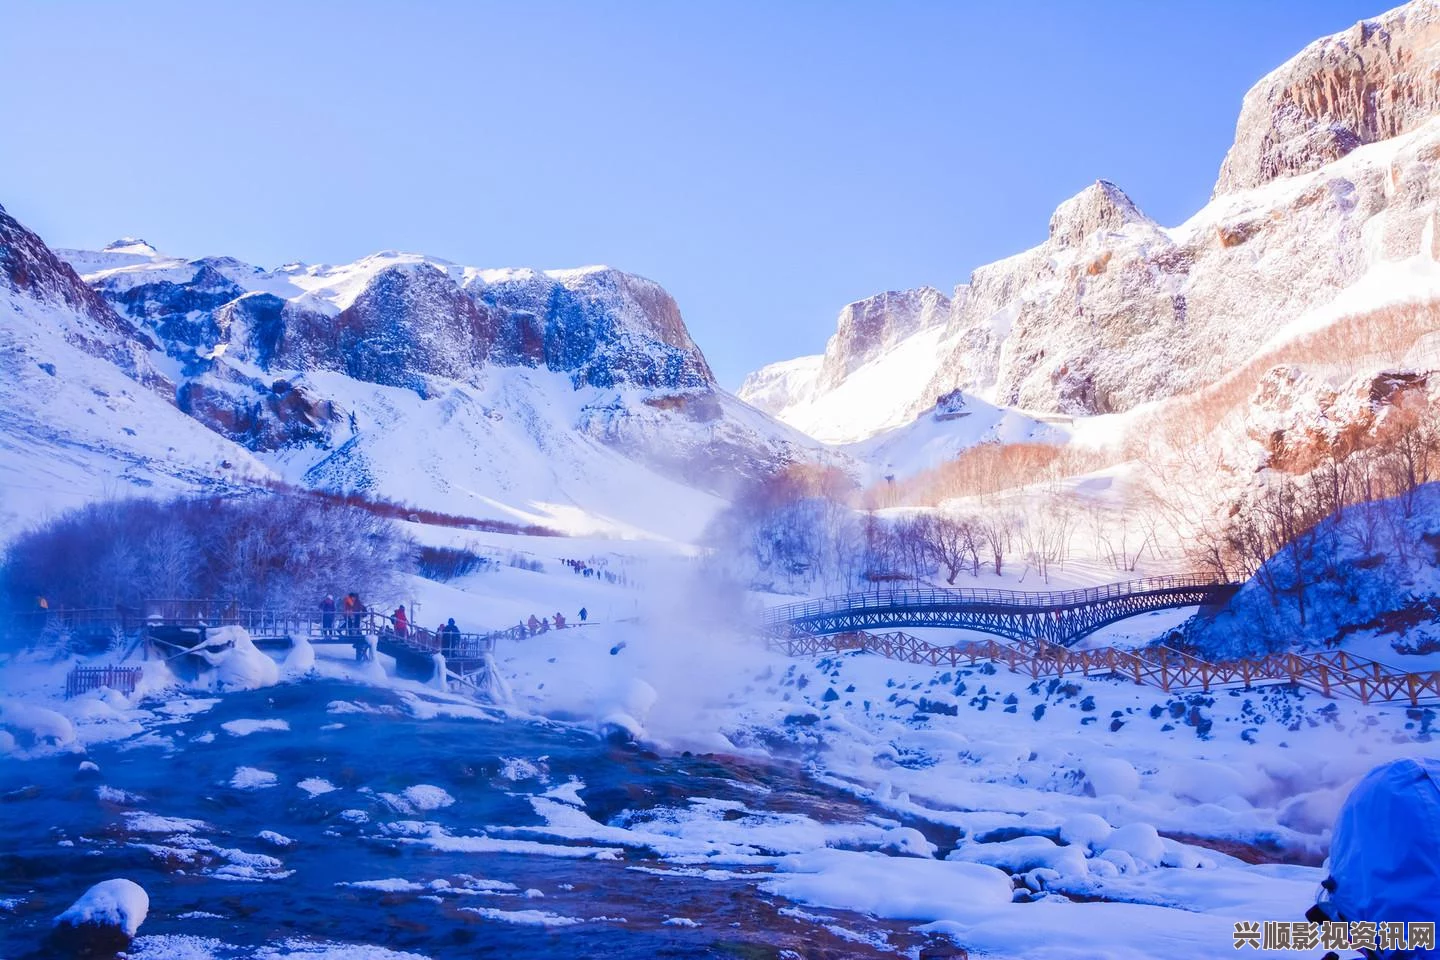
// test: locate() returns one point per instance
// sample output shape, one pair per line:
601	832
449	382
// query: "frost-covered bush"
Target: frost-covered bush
449	563
275	551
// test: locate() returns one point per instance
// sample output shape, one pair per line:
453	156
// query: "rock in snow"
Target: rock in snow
104	919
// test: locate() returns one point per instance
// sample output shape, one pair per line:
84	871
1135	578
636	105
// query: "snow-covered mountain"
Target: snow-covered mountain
1326	203
84	409
573	398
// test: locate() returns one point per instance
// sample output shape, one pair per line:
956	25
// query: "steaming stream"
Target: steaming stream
442	837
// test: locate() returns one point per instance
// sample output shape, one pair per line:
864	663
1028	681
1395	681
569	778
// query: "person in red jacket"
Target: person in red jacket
402	624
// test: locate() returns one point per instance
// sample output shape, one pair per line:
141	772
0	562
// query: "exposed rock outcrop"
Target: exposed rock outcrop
1375	81
602	326
29	268
1297	418
411	321
869	327
257	415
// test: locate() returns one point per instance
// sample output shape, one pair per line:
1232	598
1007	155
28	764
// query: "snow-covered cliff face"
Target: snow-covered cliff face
871	327
1377	80
389	319
572	399
31	271
602	326
85	410
1113	310
394	318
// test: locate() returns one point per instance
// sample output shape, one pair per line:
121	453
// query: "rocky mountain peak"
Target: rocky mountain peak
1101	207
412	319
133	245
29	267
1374	81
869	327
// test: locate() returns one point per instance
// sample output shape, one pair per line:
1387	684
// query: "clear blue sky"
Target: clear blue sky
766	162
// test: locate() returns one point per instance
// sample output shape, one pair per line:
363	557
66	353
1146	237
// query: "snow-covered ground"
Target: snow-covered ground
1121	817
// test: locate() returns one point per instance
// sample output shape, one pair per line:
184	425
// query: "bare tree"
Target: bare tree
953	544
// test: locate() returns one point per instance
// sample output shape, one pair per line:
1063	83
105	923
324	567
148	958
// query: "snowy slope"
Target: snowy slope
501	451
932	439
86	430
877	395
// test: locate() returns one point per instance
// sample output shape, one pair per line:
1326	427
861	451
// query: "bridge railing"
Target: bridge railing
965	596
271	622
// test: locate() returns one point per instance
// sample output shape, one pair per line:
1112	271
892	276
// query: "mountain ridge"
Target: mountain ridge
1114	310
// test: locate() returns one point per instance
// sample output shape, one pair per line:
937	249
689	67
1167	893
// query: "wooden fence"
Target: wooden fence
83	679
1331	674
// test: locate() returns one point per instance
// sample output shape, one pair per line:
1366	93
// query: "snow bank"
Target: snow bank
115	904
1085	830
1139	840
34	729
528	918
389	885
238	666
1024	853
301	658
899	888
1109	776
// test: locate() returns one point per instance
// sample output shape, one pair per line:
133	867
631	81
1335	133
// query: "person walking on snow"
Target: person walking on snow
559	621
534	625
402	624
583	614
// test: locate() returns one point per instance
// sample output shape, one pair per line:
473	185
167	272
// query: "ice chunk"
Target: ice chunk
243	728
250	778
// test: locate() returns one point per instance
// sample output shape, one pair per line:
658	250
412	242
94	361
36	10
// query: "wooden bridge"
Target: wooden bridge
1331	673
170	628
1052	617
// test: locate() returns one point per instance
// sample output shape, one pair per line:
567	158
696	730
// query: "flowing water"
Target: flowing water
165	810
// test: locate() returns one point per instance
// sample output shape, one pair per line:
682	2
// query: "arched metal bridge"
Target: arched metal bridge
1058	617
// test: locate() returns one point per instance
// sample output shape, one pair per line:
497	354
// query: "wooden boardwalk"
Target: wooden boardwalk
174	625
1333	674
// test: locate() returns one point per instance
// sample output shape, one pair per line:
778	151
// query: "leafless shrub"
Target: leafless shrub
263	551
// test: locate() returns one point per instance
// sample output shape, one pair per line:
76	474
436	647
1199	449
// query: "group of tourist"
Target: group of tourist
582	569
536	625
352	613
